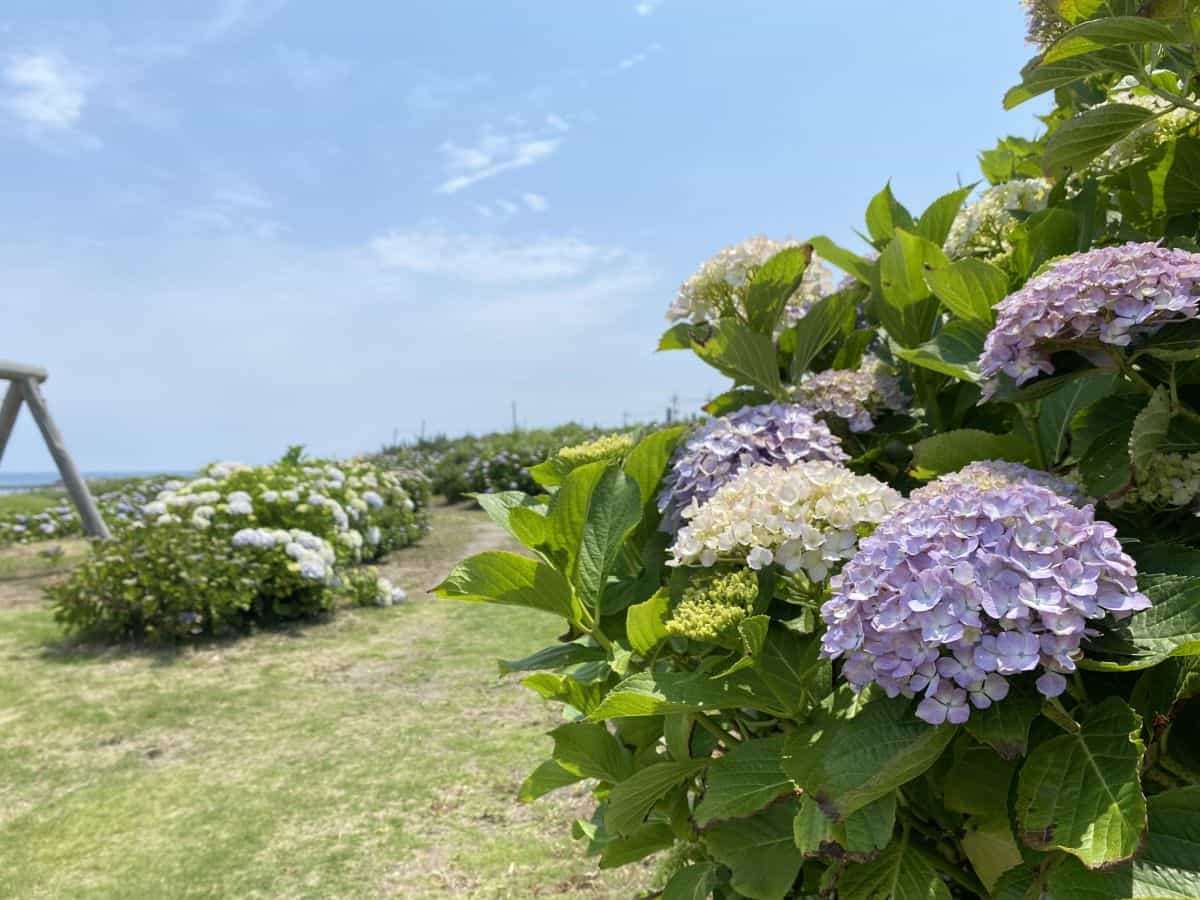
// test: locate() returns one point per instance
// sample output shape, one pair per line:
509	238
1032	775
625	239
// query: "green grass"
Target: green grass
376	754
30	502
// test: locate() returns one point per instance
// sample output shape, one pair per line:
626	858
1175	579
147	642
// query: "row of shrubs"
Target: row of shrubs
242	545
48	515
916	614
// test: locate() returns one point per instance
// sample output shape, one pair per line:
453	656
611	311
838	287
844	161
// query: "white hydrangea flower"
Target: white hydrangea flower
1143	140
984	227
717	287
807	517
372	499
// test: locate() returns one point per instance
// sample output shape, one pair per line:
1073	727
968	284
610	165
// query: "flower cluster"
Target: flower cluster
1171	480
854	395
718	287
774	434
807	517
984	227
1109	295
610	446
1169	121
713	605
998	475
314	557
1044	25
963	588
365	588
118	506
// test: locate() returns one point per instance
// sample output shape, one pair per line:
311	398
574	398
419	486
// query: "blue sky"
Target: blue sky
231	225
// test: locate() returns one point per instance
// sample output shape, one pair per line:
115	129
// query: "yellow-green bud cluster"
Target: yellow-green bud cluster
1171	479
712	607
611	446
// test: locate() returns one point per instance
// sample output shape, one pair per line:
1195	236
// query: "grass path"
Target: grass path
373	755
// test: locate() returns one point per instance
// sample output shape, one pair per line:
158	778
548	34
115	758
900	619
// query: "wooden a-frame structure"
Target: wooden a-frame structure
24	386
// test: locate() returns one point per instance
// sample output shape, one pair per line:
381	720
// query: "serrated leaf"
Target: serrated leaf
1175	343
934	224
741	353
631	800
1080	140
1081	792
556	656
907	308
1059	409
590	751
885	214
565	689
677	337
661	693
614	510
954	352
759	851
511	580
547	777
1168	868
649	839
1170	627
647	461
695	882
978	781
829	317
969	288
746	779
1150	430
1105	467
951	450
1005	726
1111	31
899	873
775	282
848	261
991	848
1048	77
645	623
846	764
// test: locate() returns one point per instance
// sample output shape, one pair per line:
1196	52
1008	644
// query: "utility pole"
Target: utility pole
422	430
514	416
625	420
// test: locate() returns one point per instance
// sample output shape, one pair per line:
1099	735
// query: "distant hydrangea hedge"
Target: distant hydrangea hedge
913	612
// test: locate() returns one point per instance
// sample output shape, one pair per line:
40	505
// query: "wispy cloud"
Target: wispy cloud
236	16
497	152
640	57
535	202
311	71
487	259
44	91
647	7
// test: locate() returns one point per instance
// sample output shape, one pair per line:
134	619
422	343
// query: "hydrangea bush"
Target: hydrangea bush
240	545
836	643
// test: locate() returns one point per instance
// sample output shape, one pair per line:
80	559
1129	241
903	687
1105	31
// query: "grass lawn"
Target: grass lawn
376	754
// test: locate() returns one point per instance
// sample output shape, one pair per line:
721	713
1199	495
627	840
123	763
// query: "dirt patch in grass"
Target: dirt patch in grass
375	754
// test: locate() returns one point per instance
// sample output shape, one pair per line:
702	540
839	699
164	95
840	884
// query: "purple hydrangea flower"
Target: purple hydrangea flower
967	586
1109	295
774	434
996	474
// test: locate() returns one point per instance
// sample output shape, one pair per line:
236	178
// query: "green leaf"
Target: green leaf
969	288
695	882
1059	409
1005	726
849	262
500	506
645	623
863	834
854	347
1175	343
954	352
1074	11
568	514
773	284
991	848
978	781
677	337
735	399
647	840
791	667
746	779
899	873
829	317
934	224
556	656
1092	422
631	800
1170	627
1150	429
660	693
760	852
847	764
1111	31
1105	467
565	689
647	461
590	751
614	510
1080	140
1048	77
885	214
1168	868
951	450
547	777
744	355
511	580
1081	792
1044	236
908	310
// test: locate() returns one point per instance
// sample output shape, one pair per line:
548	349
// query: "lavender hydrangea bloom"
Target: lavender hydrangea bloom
963	588
1110	295
995	474
771	434
853	394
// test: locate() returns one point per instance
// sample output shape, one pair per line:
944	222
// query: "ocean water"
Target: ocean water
27	481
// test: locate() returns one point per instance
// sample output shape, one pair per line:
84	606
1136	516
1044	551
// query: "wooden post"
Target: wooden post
93	524
8	413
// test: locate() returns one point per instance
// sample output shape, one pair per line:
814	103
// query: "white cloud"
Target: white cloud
235	16
647	7
535	202
487	259
497	152
310	71
638	58
44	91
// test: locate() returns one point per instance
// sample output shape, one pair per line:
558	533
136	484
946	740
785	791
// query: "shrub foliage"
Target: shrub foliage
993	693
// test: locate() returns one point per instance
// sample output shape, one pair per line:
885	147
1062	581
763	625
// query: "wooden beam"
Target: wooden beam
93	524
18	371
8	413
